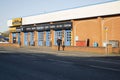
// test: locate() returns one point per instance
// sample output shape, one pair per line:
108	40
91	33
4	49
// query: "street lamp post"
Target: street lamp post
106	40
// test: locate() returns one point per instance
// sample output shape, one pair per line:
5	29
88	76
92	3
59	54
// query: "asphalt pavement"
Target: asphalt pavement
47	64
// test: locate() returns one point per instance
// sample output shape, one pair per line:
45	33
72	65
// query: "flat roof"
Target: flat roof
110	8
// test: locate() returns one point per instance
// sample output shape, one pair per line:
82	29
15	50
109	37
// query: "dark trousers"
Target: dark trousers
58	47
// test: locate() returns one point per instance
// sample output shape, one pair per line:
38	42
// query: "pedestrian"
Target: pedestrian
59	42
87	42
63	46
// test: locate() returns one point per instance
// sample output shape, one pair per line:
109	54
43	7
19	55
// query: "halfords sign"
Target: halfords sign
12	29
17	21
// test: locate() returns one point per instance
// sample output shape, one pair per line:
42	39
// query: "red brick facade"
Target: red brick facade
89	28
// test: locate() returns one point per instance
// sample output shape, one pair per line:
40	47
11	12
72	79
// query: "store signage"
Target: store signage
23	29
18	29
33	28
59	26
30	28
40	28
12	29
17	22
44	27
47	27
52	26
64	25
67	25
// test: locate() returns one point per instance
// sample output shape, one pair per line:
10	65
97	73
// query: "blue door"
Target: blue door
58	34
18	38
14	37
47	38
67	38
14	34
40	38
26	39
31	38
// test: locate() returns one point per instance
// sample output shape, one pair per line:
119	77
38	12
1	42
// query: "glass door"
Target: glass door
26	38
67	38
47	38
40	38
58	34
31	38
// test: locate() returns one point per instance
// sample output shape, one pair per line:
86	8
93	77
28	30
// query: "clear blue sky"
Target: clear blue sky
20	8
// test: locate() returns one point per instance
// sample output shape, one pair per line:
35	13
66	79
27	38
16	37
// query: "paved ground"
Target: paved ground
42	64
59	53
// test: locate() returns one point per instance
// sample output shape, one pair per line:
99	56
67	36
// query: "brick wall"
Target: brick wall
94	29
116	50
91	49
88	29
10	37
113	25
36	38
9	45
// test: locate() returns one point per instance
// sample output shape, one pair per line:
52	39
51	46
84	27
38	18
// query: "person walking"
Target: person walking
59	42
63	46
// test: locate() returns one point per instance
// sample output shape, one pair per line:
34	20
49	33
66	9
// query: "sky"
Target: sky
21	8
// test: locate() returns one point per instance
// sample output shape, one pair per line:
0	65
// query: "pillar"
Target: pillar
100	25
44	40
63	37
10	38
36	38
22	38
28	38
73	33
109	48
52	37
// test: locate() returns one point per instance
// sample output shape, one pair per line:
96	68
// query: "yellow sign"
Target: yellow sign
17	22
106	29
12	29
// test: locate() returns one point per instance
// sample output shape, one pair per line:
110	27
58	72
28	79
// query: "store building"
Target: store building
89	26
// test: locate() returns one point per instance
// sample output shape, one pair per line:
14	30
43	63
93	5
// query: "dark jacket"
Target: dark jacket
59	42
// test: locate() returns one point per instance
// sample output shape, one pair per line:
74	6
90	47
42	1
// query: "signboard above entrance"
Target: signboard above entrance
17	22
61	25
12	29
18	29
25	29
46	27
65	25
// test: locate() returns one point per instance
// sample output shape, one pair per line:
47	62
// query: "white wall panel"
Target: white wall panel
83	12
9	23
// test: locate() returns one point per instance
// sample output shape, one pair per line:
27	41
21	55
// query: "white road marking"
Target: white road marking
93	66
60	61
105	68
41	51
5	52
105	61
